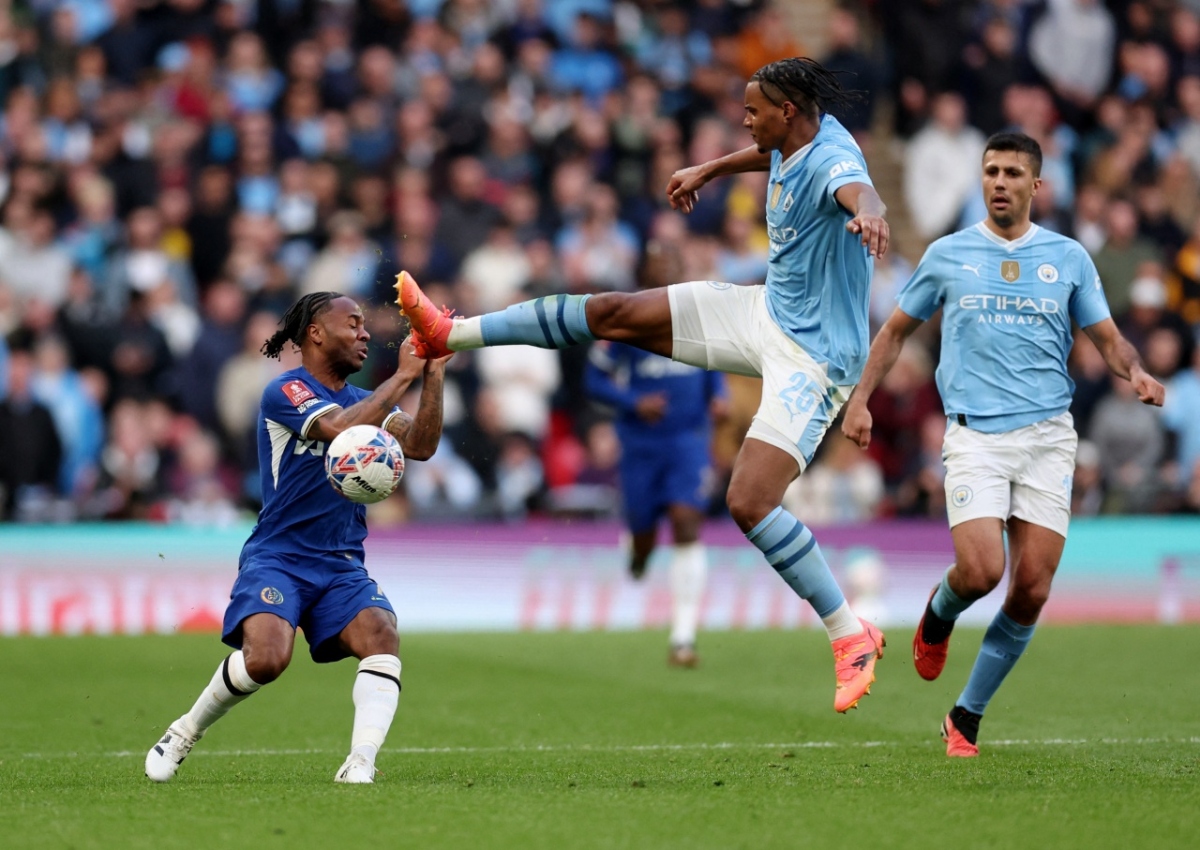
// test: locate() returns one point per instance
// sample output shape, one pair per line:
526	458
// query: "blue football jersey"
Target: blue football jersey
619	374
818	273
1006	321
301	514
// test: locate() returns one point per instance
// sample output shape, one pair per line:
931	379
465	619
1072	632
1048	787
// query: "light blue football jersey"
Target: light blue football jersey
818	274
1006	321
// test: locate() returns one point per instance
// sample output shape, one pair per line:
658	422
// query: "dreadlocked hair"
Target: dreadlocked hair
805	82
296	320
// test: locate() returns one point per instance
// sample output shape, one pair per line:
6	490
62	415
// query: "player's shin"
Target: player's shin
792	550
555	321
689	573
1003	644
230	685
946	604
376	695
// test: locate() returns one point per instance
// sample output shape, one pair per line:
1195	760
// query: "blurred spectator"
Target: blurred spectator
583	65
1123	254
32	457
348	264
1071	44
1130	439
847	57
497	270
31	264
600	251
1087	489
443	486
992	66
1183	290
941	167
78	419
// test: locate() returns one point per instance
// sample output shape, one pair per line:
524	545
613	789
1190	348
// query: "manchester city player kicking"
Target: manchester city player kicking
805	333
303	563
1008	292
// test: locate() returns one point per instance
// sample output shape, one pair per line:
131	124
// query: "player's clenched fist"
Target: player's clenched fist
1149	391
856	424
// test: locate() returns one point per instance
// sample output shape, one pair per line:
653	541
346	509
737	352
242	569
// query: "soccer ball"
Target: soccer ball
364	464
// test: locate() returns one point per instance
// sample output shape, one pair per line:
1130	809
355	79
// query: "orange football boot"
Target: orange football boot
430	326
929	658
958	745
854	662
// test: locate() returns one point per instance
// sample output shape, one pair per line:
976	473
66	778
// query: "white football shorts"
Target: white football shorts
727	328
1026	473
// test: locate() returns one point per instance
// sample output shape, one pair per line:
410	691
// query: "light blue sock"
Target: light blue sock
556	321
947	604
793	551
1003	644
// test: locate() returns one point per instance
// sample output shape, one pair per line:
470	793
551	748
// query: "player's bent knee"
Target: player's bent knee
605	313
976	580
266	664
747	507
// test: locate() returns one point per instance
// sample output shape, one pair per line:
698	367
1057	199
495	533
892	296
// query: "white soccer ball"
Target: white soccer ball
364	464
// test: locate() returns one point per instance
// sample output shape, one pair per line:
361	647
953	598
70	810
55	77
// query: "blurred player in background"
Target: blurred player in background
303	564
664	420
1008	290
805	333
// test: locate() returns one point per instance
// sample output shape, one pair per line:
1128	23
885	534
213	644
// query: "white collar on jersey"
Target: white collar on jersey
794	160
1006	244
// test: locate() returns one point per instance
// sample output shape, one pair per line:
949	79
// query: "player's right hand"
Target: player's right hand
856	424
683	189
411	365
651	407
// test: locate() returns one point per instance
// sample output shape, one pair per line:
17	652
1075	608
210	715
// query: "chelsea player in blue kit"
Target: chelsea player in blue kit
303	563
1008	291
664	421
805	333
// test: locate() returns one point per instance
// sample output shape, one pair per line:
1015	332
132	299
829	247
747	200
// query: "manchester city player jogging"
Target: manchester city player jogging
805	332
1008	291
303	564
664	421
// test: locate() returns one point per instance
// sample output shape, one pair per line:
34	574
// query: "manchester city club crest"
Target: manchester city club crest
1010	270
1047	273
961	495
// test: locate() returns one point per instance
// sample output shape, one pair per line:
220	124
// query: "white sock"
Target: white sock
466	334
842	622
230	685
689	574
376	695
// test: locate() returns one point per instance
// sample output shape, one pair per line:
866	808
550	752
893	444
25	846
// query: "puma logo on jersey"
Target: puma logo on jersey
973	268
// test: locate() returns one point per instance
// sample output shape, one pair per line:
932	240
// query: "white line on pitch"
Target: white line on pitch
585	748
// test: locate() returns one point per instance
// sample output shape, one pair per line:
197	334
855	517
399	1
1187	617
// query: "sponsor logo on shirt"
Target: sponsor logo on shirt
297	393
1009	309
843	167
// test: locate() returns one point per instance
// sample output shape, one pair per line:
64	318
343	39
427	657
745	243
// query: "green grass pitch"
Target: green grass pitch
588	740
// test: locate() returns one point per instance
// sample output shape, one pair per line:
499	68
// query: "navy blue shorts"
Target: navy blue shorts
673	472
319	595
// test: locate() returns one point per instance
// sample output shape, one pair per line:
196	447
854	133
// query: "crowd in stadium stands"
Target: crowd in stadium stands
173	173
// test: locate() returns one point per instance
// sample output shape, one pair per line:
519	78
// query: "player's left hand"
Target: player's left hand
411	364
1149	391
874	230
438	364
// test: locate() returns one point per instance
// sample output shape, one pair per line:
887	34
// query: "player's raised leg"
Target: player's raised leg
977	569
642	319
689	574
266	651
1035	554
761	474
371	637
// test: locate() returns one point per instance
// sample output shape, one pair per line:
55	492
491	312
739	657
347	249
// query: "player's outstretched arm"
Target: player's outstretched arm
856	421
419	435
376	407
868	209
683	189
1122	358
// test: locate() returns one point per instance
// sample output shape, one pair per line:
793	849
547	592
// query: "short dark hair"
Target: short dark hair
1020	143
